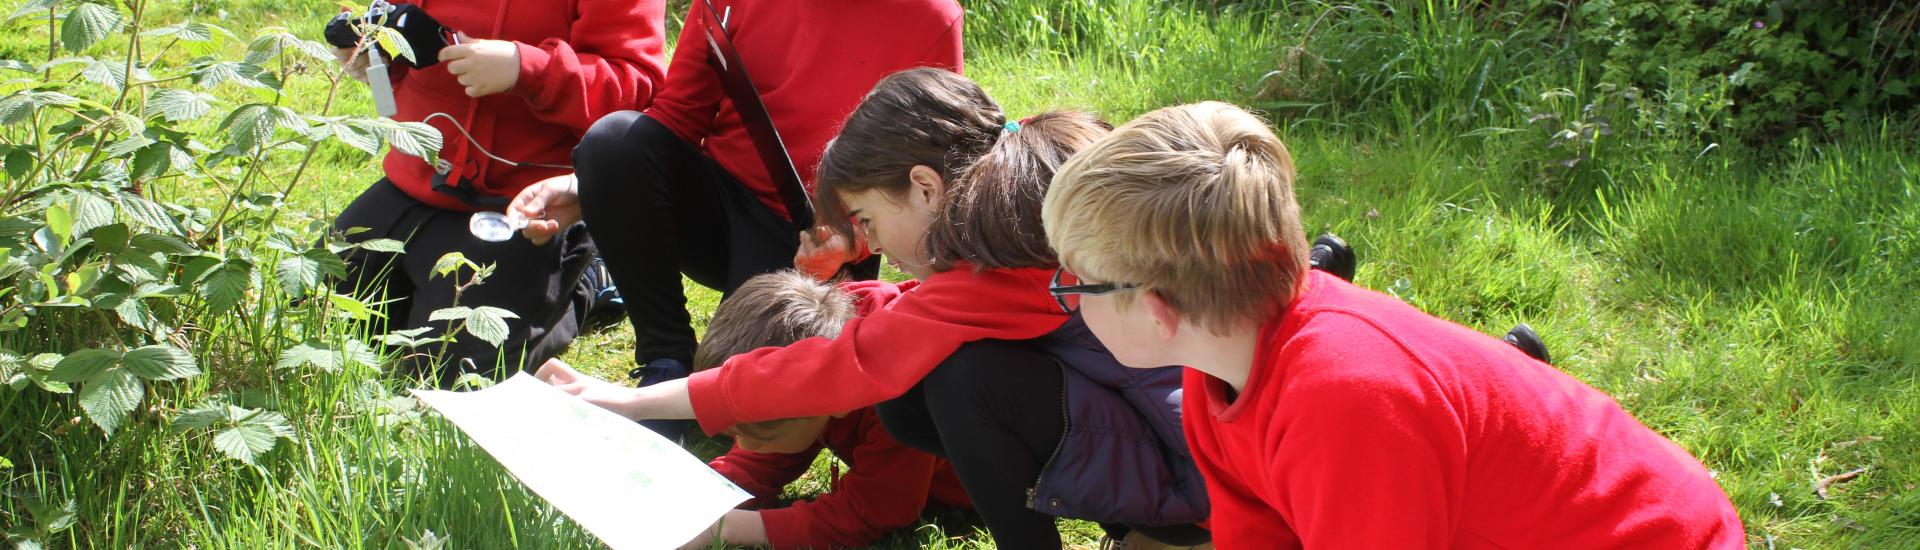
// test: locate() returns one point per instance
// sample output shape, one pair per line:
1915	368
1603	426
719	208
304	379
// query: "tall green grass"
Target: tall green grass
1757	308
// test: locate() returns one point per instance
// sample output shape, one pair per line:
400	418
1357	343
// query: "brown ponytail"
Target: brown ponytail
991	217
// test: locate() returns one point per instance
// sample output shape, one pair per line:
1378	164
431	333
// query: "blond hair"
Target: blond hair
1193	202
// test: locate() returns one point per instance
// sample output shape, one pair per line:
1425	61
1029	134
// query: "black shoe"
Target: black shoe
1523	337
654	372
1332	255
608	308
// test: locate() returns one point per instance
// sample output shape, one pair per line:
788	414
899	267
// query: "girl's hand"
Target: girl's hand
549	206
355	65
822	252
606	395
485	67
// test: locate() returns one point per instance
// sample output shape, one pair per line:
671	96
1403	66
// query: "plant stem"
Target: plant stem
126	83
326	109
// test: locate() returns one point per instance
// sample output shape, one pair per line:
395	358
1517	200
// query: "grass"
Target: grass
1756	306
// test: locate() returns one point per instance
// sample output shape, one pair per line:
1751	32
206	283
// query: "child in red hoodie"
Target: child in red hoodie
973	362
525	82
681	189
1328	416
887	485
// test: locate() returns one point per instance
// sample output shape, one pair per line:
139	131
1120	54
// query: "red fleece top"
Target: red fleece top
879	356
812	61
886	487
579	60
1368	424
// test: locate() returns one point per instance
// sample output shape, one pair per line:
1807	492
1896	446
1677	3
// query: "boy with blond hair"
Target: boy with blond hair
1326	415
887	484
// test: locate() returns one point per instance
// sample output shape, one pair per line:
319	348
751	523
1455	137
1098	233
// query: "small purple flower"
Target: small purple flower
1758	24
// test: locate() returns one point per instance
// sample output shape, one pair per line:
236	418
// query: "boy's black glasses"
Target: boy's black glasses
1067	290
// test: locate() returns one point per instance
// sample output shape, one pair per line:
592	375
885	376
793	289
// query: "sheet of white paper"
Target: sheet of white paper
620	481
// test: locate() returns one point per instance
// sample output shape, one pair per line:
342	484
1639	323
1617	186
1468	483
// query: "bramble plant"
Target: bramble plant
103	280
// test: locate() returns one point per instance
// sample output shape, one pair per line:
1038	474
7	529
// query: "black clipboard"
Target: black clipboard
725	61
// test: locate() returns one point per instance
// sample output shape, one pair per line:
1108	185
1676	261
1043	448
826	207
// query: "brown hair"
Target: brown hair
772	309
916	117
1193	202
991	213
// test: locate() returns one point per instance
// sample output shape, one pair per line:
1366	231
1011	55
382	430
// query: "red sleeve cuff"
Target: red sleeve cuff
711	408
533	69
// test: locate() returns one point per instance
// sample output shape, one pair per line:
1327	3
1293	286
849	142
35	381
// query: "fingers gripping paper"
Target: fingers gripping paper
620	481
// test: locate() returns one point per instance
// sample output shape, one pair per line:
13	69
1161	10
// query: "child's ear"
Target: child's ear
1166	319
927	184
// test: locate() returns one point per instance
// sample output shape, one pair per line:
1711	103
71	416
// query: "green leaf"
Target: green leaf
355	309
223	288
162	243
90	211
394	43
160	362
209	72
40	369
356	134
19	162
17	108
88	24
32	7
454	313
451	262
109	397
60	222
152	161
206	415
414	138
244	442
489	324
148	213
179	105
110	238
112	74
321	356
252	126
188	32
84	365
389	246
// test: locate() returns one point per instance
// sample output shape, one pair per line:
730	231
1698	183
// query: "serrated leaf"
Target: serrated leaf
209	72
223	288
394	43
32	7
106	73
298	274
158	363
147	213
131	144
90	211
389	246
357	135
450	262
19	162
497	312
487	324
179	105
187	32
244	442
162	243
88	23
18	107
320	356
251	126
84	365
110	238
109	397
152	161
454	313
206	415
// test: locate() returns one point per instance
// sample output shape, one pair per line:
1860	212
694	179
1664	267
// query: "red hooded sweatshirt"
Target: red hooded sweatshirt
886	487
812	61
879	356
1368	424
579	60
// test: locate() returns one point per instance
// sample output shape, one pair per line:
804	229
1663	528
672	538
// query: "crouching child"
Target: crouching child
1324	415
887	485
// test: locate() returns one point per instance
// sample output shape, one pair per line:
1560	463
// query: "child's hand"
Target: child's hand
823	251
485	67
549	205
737	528
607	395
355	65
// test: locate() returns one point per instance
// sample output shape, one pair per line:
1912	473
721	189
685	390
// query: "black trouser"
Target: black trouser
994	409
657	208
997	411
540	284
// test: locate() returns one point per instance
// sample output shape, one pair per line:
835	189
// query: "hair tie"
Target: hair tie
1011	127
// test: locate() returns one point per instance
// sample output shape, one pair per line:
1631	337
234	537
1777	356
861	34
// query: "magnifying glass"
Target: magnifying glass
495	227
